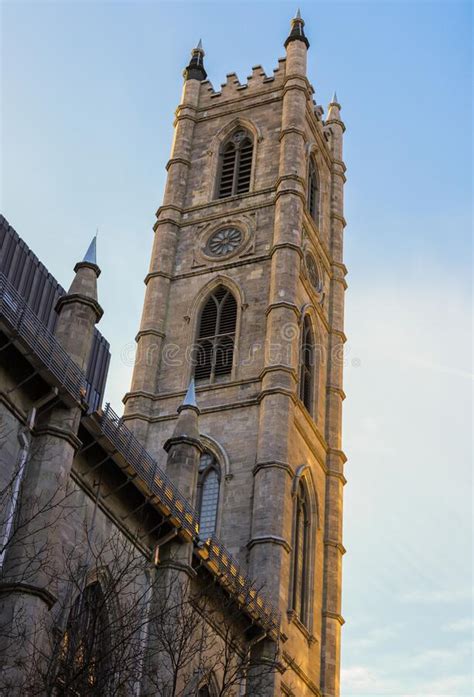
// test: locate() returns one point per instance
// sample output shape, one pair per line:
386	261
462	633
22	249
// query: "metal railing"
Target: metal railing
42	344
40	341
238	583
147	468
211	551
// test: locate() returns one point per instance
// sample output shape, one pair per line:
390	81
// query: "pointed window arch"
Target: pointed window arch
83	652
208	494
301	551
313	190
204	691
307	365
216	336
235	167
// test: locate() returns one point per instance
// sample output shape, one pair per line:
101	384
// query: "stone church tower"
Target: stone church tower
245	293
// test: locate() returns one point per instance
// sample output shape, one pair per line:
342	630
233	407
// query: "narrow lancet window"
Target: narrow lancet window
301	554
216	336
307	365
236	165
208	495
313	191
83	652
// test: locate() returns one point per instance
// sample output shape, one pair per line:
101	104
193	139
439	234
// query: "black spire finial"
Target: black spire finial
297	30
195	69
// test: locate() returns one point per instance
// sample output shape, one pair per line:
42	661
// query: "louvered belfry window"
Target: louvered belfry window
300	554
307	359
216	336
313	191
236	165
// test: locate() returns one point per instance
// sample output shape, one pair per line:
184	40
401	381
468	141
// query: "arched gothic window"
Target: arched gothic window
83	664
235	166
301	553
208	494
307	365
216	336
313	191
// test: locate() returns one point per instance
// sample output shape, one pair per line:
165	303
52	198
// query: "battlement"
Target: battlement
232	88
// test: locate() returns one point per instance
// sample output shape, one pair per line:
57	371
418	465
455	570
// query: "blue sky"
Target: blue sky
88	93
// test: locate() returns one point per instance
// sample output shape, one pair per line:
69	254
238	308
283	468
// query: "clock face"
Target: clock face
313	273
224	242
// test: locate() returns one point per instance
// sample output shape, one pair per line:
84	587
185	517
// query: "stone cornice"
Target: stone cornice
340	454
287	245
281	367
179	394
157	274
292	129
166	221
221	202
336	475
340	334
283	304
335	389
334	616
341	266
274	464
178	566
232	263
276	390
183	440
295	86
239	102
338	122
63	434
149	332
177	161
269	539
337	216
291	192
26	588
184	117
335	543
71	298
291	178
204	410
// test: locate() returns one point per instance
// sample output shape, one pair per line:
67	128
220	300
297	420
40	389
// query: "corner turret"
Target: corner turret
79	309
184	448
297	31
195	69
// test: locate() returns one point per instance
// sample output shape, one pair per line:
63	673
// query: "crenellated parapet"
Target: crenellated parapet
232	88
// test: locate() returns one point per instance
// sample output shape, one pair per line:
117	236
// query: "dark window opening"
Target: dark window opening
236	165
313	191
307	360
216	336
300	555
208	495
83	653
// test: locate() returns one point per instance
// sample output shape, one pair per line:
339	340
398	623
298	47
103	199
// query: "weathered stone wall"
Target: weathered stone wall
255	413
